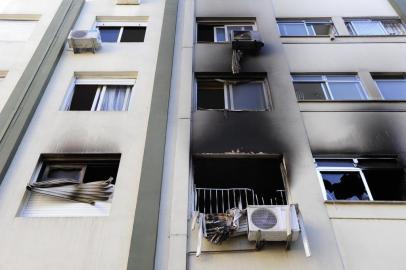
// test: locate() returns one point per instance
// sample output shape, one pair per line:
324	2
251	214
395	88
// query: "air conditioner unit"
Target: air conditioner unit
84	40
271	222
246	41
128	2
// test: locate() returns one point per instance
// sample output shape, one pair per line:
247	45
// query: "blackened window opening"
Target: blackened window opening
133	34
83	97
205	33
225	183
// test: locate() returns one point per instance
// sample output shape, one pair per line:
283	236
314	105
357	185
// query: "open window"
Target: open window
220	31
375	27
99	95
223	183
118	32
307	27
381	179
71	185
232	93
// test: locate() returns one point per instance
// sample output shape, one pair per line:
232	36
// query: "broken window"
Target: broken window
121	31
362	179
292	27
232	94
224	183
391	86
328	87
375	27
220	31
99	95
72	185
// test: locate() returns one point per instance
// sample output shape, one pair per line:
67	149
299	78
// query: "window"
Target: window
306	27
71	185
222	183
391	87
362	179
328	87
220	31
375	27
99	95
121	32
16	30
235	95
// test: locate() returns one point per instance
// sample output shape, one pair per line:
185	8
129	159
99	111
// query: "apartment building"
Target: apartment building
202	134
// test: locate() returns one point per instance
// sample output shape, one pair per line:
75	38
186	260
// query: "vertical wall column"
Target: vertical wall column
400	7
22	103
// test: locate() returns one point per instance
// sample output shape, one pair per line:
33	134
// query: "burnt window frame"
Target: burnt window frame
354	168
228	89
223	23
98	99
122	25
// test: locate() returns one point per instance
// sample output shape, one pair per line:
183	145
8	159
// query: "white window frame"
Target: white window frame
99	96
320	170
119	24
324	81
306	24
390	80
354	29
227	32
228	96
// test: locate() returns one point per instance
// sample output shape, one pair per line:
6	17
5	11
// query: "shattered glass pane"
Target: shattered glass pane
344	186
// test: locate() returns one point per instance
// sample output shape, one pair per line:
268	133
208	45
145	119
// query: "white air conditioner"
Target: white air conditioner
84	40
128	2
271	223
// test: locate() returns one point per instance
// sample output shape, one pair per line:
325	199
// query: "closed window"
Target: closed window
306	27
71	185
221	31
223	94
391	87
362	179
375	27
99	95
328	87
115	32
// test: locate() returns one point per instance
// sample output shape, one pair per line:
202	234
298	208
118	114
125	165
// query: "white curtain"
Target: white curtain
114	98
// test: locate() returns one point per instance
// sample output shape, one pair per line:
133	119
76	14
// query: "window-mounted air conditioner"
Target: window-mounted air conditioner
128	2
84	40
272	223
246	41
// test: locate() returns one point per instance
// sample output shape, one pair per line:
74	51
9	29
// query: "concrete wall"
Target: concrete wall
88	242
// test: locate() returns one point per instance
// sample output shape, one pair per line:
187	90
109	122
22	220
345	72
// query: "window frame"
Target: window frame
99	96
228	96
324	81
389	80
353	29
48	168
98	24
307	24
223	24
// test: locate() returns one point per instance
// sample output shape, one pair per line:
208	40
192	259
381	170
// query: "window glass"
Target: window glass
114	98
220	34
368	27
248	96
341	78
307	77
393	90
133	34
321	29
292	29
309	91
346	91
109	33
335	163
344	186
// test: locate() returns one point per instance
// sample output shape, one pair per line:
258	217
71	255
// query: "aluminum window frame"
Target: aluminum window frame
354	29
98	24
319	171
227	32
307	24
324	81
99	96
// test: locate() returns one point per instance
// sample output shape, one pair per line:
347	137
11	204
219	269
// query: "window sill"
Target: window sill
352	106
335	202
226	111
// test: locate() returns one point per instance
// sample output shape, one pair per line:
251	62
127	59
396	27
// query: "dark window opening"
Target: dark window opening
210	95
322	29
133	34
344	186
109	33
83	97
225	183
205	33
309	91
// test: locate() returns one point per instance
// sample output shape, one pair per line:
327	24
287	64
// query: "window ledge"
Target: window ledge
334	202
